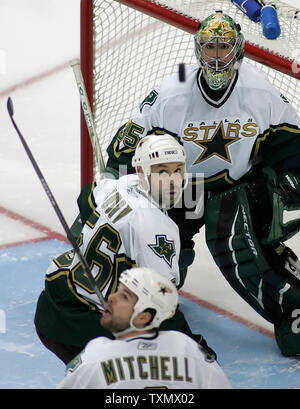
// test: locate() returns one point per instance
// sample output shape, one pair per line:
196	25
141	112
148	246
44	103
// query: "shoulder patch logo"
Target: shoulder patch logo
74	364
163	248
149	100
284	99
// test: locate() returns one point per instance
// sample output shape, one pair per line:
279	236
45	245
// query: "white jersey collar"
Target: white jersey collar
208	94
150	335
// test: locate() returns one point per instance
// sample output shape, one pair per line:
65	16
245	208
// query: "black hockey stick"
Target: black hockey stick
59	214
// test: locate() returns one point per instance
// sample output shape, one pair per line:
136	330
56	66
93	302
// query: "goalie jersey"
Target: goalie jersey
169	360
123	229
222	137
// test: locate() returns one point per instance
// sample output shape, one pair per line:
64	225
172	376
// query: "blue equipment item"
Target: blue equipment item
270	23
249	7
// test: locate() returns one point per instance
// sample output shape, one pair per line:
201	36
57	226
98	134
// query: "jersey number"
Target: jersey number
101	256
106	238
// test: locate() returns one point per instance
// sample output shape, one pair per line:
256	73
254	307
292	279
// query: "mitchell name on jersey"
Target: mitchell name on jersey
148	361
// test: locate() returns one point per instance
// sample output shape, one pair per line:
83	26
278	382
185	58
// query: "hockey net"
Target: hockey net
129	46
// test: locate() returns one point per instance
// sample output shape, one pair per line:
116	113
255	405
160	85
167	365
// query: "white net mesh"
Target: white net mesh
134	52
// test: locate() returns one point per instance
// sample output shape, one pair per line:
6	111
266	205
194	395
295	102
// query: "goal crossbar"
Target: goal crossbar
190	25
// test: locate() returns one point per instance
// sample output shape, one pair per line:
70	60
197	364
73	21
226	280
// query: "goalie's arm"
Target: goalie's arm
146	120
118	157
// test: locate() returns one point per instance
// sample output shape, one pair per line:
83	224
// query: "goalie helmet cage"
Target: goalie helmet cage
129	46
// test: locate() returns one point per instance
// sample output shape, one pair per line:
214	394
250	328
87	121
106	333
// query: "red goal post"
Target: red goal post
129	46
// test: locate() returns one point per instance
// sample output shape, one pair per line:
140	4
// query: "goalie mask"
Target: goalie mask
156	150
154	291
219	49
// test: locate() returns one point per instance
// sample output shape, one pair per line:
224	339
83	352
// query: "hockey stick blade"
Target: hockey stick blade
57	210
10	107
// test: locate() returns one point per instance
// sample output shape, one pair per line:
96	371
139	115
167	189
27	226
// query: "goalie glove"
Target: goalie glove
289	183
284	193
290	261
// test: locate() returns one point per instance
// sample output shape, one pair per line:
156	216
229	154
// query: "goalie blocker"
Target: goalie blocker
251	258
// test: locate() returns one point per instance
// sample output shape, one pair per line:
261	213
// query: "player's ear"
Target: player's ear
142	319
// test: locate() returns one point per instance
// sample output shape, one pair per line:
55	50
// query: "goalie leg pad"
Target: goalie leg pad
287	333
232	241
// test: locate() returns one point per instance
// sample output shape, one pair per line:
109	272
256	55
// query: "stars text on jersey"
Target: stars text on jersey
214	138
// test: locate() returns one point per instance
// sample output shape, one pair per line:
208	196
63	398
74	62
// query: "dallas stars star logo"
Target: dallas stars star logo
163	248
164	289
216	145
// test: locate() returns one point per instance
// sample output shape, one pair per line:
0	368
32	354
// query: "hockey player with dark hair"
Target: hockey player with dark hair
142	356
124	223
243	135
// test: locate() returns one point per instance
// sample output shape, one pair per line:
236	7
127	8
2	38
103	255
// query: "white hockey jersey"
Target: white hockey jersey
124	229
169	360
222	138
